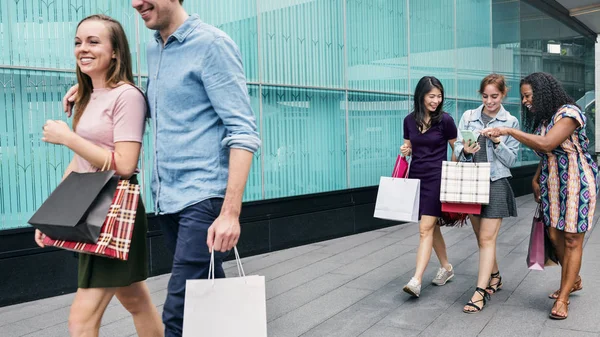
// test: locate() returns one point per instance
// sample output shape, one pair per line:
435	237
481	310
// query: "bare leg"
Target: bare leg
439	246
426	229
573	251
87	310
558	242
136	299
476	223
486	237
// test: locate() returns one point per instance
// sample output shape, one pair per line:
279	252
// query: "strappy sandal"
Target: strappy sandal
576	287
493	287
485	297
554	314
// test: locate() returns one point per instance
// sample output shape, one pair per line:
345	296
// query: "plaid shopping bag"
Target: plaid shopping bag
465	183
117	230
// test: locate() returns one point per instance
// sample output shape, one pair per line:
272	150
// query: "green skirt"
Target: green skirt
101	272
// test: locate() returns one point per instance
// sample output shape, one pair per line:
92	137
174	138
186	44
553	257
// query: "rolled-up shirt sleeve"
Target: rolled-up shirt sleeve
225	84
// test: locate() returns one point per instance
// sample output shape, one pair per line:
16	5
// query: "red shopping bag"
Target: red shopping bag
452	207
117	230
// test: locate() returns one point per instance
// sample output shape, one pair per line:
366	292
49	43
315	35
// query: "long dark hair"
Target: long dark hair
425	85
119	71
548	96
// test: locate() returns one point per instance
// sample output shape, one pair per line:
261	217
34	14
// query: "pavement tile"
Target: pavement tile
352	286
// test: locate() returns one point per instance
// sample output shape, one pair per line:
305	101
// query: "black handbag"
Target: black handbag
77	208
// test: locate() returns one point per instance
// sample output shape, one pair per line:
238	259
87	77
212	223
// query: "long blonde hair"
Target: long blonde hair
119	71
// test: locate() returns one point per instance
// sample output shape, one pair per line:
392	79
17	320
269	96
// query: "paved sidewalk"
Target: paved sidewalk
351	286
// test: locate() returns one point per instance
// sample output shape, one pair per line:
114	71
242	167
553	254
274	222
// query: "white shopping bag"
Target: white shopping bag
229	307
398	199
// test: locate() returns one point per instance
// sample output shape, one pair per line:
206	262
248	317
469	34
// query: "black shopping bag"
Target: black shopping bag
77	208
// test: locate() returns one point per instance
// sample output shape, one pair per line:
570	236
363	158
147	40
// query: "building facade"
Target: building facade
330	83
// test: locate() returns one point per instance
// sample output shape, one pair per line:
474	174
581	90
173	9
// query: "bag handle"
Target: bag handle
211	267
397	167
109	163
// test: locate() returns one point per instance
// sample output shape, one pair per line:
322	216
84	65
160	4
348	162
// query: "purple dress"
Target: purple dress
429	149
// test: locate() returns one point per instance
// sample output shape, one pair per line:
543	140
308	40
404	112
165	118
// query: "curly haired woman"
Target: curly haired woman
565	181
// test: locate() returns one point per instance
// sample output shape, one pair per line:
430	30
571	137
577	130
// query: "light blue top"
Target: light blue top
501	158
200	109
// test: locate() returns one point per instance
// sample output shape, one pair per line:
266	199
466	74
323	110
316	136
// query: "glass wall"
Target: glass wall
330	81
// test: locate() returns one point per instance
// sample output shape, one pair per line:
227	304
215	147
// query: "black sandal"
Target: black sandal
493	287
485	298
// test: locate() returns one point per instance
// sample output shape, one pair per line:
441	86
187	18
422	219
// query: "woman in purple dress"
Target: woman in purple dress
427	132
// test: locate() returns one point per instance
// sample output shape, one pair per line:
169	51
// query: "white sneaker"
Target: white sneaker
413	287
443	276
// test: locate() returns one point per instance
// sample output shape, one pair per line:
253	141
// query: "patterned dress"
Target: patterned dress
568	183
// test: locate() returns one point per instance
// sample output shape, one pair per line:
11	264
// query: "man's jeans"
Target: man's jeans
185	235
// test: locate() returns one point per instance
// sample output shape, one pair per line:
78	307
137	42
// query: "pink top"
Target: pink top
111	116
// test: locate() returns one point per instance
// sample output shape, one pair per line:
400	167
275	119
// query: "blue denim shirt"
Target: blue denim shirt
501	158
199	108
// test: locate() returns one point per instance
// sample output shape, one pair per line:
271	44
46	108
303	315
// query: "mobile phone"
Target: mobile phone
469	136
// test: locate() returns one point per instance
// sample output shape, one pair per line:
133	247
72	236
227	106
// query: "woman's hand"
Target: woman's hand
495	132
471	147
535	185
56	132
39	238
493	139
406	150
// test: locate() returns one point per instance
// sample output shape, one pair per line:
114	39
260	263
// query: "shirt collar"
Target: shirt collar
183	31
476	115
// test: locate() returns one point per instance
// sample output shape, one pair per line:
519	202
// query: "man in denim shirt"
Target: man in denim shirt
204	138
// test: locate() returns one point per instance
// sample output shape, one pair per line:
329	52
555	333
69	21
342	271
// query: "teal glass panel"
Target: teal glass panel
464	105
375	128
254	184
377	45
474	45
432	47
451	108
40	33
304	141
237	18
146	160
506	29
29	168
302	42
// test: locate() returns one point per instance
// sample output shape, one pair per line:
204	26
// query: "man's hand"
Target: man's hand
224	233
69	99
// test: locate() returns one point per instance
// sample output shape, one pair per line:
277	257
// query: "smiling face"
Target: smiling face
93	49
156	14
492	98
433	99
527	97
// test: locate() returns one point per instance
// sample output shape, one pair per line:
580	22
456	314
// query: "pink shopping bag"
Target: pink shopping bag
536	254
401	167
